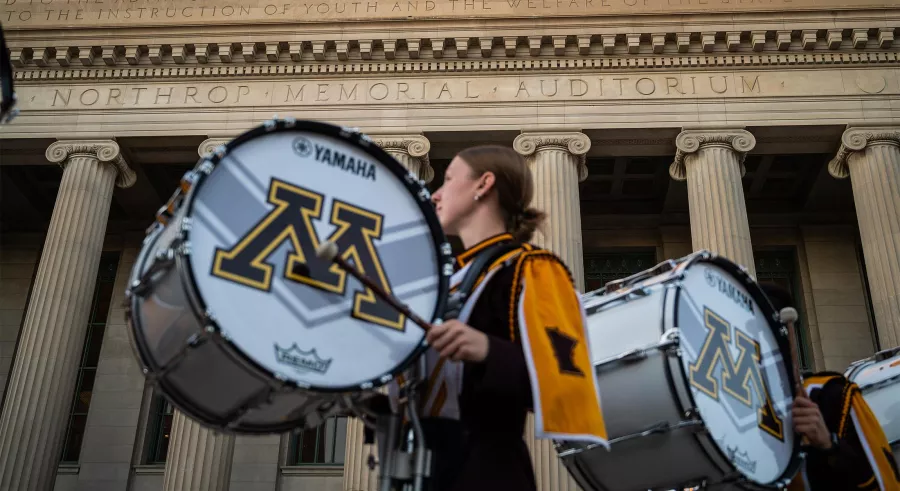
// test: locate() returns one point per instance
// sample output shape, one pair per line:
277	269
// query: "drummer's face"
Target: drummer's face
455	199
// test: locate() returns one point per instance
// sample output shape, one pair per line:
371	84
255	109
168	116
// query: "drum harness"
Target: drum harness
414	463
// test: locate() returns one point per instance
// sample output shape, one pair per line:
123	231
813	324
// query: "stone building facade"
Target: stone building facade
767	131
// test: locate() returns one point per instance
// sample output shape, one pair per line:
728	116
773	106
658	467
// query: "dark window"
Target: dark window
323	445
602	267
780	268
159	430
87	368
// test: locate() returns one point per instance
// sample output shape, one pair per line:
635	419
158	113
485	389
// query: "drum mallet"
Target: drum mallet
329	252
789	316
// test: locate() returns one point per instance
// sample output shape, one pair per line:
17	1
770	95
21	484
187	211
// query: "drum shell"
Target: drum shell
191	357
630	407
646	334
879	381
200	373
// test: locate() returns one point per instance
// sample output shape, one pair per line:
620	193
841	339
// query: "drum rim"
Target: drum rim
363	143
771	316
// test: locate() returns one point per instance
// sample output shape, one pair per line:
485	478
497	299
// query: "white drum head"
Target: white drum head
271	200
736	373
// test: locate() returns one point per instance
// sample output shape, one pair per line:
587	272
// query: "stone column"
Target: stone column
870	157
712	162
199	458
557	163
43	378
409	150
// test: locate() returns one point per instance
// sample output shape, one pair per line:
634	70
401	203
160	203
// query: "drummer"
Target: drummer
476	428
847	448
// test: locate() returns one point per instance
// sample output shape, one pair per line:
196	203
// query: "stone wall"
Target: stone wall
19	255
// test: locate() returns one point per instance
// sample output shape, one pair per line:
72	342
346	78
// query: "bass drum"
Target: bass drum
878	377
695	382
237	321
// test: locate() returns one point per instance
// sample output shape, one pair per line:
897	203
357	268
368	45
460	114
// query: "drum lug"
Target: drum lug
207	166
424	194
185	225
162	260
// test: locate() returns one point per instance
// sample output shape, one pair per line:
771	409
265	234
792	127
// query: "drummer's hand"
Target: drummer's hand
457	341
808	421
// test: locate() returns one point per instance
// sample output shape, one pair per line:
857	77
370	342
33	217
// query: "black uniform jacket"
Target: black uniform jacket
845	466
485	450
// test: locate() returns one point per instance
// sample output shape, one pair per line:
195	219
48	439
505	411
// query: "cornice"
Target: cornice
856	139
648	49
689	141
106	151
379	68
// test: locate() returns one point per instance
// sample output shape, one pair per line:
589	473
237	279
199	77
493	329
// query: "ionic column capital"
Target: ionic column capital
856	139
416	146
210	144
575	143
688	142
106	151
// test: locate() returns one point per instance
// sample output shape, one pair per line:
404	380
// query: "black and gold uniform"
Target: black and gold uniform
860	457
475	412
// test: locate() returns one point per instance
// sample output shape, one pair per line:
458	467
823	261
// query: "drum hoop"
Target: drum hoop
771	316
417	190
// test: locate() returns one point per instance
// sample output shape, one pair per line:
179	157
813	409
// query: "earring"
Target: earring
477	196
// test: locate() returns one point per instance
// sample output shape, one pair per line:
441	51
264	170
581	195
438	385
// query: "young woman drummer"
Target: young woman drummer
484	201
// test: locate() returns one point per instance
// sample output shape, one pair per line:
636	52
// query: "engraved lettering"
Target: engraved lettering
724	84
745	86
92	97
217	94
582	87
349	95
116	94
290	92
645	86
378	91
555	88
159	93
672	83
192	93
468	95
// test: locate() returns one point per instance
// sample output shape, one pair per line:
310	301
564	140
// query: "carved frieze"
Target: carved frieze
264	57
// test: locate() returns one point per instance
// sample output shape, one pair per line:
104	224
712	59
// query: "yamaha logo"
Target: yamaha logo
302	147
729	290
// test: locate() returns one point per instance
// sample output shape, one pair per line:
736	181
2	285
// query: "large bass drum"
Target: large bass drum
236	320
690	359
878	378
